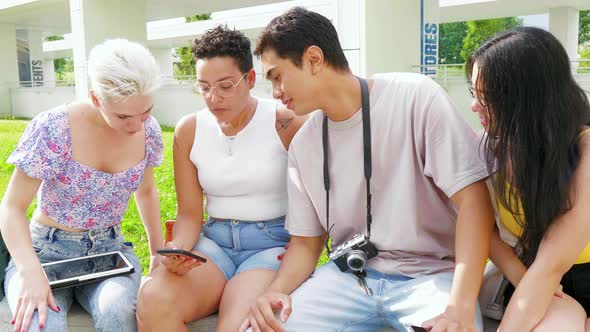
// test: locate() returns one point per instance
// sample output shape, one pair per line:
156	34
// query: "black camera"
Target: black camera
354	254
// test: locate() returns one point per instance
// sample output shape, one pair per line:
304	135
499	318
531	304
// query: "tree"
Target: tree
584	66
197	17
63	67
451	42
184	64
52	38
64	70
480	31
584	35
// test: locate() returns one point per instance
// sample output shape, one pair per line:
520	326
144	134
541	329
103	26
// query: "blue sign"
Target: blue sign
428	44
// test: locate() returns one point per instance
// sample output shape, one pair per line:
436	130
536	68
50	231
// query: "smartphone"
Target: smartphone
180	252
414	328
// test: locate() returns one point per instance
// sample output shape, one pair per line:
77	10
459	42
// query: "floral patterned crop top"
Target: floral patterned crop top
72	193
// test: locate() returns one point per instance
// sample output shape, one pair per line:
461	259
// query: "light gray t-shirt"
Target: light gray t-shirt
423	153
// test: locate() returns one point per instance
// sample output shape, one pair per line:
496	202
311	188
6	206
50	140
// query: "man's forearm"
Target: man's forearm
472	243
298	264
504	257
472	251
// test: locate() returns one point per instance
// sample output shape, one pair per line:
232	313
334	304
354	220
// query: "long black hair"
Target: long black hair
535	111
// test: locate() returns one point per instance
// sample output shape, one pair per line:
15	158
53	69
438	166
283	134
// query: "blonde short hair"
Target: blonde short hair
119	68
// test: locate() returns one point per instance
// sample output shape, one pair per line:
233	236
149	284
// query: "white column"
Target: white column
8	65
349	33
35	38
165	60
389	34
93	21
563	24
49	73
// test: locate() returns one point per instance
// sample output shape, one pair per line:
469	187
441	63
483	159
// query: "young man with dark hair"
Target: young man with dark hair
427	210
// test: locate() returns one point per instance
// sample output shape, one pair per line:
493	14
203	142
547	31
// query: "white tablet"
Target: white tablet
82	270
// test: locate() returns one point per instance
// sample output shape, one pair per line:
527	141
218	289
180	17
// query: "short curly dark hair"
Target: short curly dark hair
222	41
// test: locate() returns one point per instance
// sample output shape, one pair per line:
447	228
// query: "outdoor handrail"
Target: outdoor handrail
39	84
446	73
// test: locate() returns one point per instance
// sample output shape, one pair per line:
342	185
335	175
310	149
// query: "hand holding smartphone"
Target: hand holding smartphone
181	252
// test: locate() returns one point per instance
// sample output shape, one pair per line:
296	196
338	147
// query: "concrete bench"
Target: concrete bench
80	321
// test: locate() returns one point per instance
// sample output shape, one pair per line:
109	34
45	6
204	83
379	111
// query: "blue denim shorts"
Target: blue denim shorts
236	245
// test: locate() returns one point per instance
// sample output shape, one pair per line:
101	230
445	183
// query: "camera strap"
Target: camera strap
366	157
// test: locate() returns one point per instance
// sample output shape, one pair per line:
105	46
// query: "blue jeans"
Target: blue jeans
331	300
236	246
110	302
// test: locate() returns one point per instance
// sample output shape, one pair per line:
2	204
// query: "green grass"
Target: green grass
10	132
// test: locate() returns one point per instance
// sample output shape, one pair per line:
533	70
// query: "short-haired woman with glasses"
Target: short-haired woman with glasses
234	153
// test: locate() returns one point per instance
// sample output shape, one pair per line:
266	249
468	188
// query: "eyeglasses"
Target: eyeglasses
224	88
472	92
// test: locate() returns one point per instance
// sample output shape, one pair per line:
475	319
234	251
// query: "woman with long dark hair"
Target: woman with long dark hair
537	146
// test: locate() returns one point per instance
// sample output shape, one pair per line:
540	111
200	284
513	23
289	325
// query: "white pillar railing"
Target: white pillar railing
30	97
452	78
446	74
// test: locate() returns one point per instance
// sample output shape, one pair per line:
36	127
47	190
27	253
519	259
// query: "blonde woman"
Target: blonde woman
84	160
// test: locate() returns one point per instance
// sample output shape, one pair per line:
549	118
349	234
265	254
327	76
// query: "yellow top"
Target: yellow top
511	224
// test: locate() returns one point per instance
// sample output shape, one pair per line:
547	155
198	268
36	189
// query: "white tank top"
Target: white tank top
244	177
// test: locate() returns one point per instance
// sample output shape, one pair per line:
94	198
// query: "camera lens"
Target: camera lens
356	260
